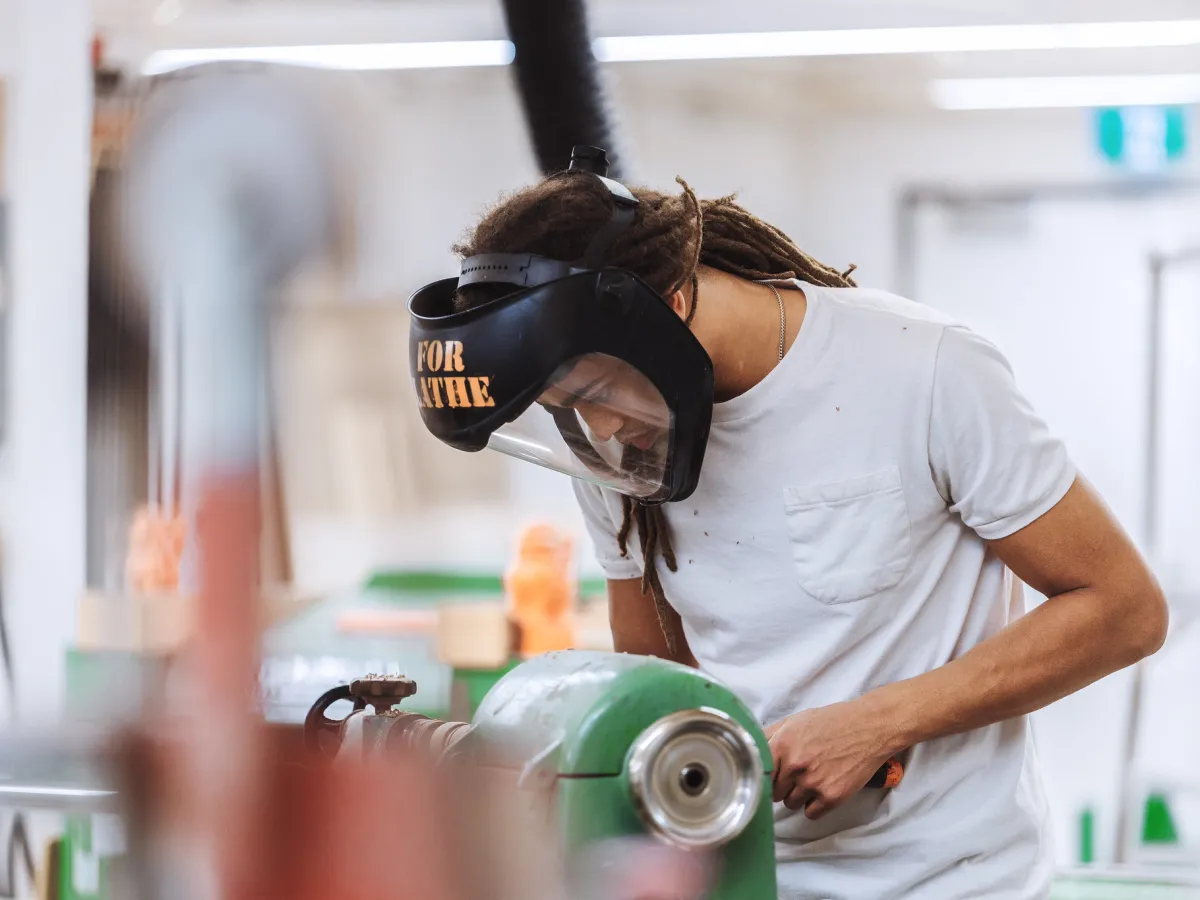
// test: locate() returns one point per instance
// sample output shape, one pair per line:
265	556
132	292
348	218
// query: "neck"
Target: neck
737	323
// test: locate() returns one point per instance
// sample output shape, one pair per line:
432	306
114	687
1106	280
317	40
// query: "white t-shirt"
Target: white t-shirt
836	544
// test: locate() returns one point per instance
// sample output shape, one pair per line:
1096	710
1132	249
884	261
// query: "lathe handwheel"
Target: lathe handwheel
323	735
696	778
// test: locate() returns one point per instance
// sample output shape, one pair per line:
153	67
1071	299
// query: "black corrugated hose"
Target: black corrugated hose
559	81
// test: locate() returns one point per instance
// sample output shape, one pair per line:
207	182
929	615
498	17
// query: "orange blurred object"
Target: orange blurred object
541	591
156	542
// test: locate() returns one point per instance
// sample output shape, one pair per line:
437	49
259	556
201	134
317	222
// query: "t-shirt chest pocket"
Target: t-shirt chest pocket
850	539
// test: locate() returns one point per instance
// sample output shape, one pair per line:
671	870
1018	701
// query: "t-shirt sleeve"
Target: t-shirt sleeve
993	459
603	532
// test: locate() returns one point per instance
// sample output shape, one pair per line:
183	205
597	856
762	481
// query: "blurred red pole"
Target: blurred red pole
225	747
220	799
272	830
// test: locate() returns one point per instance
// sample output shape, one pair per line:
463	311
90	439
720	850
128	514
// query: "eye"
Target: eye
597	397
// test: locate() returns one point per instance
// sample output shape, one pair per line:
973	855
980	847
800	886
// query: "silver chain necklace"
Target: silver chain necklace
782	318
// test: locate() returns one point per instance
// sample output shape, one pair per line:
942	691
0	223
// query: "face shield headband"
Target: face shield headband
582	368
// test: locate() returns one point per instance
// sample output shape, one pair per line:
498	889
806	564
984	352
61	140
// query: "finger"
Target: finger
785	783
780	790
769	730
817	808
800	797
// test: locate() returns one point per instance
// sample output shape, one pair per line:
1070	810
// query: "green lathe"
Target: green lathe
641	746
623	745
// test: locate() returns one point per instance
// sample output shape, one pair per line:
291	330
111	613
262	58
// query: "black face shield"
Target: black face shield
583	369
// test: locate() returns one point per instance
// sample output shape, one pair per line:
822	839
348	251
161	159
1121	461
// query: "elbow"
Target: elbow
1146	621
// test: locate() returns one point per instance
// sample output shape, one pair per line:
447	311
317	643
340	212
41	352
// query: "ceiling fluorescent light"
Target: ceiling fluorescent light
1060	93
747	45
361	57
886	41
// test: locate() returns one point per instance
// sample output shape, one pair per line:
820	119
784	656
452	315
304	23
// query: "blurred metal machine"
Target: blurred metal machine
610	745
385	730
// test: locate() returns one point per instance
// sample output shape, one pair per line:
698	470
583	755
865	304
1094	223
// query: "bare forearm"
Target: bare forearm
635	625
646	643
1065	644
1105	611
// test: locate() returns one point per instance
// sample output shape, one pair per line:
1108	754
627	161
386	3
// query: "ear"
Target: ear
678	301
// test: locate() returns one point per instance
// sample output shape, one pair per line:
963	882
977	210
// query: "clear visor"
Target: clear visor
599	419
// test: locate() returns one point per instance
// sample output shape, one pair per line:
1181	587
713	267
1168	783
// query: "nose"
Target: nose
602	423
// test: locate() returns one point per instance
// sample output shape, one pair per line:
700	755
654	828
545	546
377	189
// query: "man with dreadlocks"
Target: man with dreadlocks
873	492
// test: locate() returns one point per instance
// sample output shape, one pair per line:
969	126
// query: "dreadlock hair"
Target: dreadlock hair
670	238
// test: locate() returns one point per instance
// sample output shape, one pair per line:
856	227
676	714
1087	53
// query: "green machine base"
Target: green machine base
633	745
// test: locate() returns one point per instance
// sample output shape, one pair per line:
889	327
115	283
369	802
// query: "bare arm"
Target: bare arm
1104	611
635	626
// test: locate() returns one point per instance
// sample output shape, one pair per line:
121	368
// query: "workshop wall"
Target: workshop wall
832	182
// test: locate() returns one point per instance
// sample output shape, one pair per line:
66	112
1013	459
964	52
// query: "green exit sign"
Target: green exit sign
1142	138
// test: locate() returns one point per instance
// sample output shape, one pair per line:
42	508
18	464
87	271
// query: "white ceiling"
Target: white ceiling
426	19
136	27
